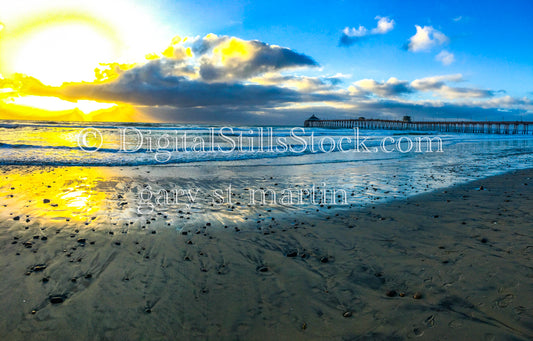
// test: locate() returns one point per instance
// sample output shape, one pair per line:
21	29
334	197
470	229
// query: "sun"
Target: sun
66	48
61	42
62	53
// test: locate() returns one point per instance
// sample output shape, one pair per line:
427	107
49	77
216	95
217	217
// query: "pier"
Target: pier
479	127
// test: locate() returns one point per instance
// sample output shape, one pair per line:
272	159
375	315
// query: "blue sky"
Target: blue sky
492	40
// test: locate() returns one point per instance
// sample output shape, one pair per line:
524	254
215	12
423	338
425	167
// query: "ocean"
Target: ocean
172	167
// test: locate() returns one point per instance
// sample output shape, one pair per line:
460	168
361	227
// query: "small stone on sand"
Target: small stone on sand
262	269
38	267
292	253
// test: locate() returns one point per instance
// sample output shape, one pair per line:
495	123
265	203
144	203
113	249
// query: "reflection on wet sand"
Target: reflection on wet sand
69	194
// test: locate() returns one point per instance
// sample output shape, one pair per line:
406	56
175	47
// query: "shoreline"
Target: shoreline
452	262
49	194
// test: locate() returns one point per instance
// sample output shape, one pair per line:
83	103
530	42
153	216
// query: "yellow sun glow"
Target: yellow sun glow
75	195
56	104
61	53
65	41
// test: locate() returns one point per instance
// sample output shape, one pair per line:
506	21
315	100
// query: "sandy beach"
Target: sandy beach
451	264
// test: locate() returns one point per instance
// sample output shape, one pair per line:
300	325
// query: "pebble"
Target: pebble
57	299
38	267
46	201
324	259
262	269
347	314
417	295
292	253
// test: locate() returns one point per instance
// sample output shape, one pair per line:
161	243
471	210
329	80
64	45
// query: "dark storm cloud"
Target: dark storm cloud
181	92
152	85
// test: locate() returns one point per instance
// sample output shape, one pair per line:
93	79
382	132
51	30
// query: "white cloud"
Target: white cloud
384	25
445	57
352	32
459	18
437	85
426	38
435	82
468	93
391	88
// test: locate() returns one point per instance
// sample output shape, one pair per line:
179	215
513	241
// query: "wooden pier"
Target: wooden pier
479	127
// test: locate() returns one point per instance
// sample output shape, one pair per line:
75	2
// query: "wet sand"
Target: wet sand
452	264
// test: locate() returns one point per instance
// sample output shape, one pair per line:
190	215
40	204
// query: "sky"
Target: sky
265	62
